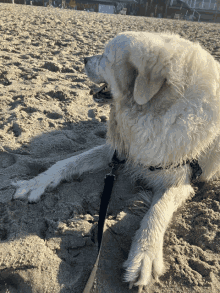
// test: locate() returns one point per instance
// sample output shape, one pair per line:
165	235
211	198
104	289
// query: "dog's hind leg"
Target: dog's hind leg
96	158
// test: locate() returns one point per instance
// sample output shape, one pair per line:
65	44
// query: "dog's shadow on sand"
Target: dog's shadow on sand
51	246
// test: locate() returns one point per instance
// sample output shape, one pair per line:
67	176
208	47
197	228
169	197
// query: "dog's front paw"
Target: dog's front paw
142	265
35	187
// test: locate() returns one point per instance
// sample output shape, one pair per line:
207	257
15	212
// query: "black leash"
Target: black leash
106	195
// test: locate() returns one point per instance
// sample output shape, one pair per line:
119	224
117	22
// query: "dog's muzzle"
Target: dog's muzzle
102	95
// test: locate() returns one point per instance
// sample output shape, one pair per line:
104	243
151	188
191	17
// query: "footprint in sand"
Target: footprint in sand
54	115
6	160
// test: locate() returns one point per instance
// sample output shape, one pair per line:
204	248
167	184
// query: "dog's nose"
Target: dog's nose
86	60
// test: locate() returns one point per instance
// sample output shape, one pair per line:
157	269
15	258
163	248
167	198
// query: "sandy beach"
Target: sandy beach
47	114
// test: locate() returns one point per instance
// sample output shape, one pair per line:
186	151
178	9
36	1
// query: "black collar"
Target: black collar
196	169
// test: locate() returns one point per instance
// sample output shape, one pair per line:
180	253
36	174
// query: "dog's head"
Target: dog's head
135	62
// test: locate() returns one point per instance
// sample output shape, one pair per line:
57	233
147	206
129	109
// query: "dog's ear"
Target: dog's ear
147	84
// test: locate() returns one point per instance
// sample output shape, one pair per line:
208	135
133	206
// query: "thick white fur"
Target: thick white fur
165	110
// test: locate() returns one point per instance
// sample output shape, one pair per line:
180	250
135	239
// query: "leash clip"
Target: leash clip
114	164
111	173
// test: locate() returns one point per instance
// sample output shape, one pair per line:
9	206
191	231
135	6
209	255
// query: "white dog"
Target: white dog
164	113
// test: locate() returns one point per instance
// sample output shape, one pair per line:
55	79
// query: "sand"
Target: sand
46	114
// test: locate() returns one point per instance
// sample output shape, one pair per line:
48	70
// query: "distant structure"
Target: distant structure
102	6
209	10
195	10
204	4
13	1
